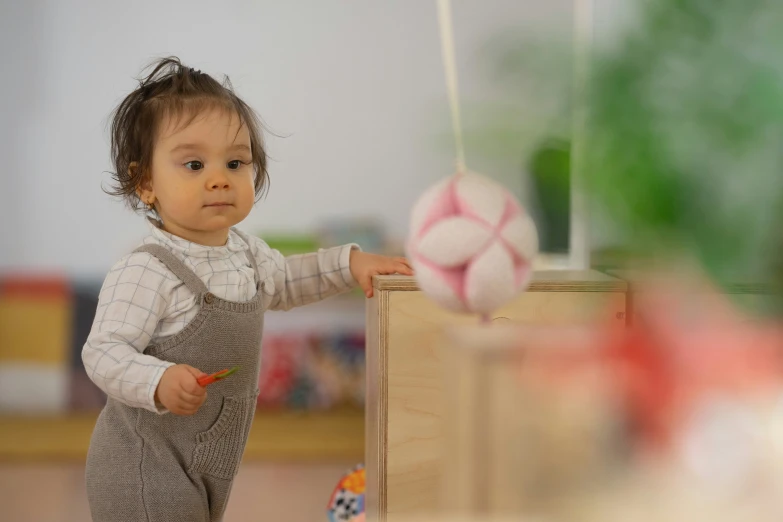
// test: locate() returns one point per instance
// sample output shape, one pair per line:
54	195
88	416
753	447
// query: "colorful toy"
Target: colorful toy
335	368
312	371
217	376
347	500
282	359
471	244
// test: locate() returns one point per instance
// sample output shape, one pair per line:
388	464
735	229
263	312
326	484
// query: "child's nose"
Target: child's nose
219	185
218	181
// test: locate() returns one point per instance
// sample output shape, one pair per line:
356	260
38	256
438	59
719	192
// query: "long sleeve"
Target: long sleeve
303	279
132	301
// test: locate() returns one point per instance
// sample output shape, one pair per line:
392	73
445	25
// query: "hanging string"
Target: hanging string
450	67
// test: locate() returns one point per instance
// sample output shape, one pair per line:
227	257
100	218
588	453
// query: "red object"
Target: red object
687	347
649	381
210	379
683	348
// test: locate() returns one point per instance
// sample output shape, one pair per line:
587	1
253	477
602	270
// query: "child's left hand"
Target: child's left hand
364	266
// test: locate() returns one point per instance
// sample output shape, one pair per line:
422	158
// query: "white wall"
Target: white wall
356	86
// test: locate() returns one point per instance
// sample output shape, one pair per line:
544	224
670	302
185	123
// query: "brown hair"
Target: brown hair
171	89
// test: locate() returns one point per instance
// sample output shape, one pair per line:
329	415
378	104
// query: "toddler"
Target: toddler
190	301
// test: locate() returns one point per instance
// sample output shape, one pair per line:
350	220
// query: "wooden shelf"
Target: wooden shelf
408	359
286	436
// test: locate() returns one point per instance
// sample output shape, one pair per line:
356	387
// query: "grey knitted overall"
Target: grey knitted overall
145	467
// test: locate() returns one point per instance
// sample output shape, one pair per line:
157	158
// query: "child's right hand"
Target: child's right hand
179	391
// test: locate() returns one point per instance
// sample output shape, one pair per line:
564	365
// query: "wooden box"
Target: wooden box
405	363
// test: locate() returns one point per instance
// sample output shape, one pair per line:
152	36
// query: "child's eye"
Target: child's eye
194	165
235	164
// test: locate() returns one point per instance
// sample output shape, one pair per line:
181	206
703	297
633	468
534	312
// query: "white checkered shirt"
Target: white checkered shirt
143	302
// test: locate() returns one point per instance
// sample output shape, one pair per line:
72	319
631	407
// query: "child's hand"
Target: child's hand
178	390
364	266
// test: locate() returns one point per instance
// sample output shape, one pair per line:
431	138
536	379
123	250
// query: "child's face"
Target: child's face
202	177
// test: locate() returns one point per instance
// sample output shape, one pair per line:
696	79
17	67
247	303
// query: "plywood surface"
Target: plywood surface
375	410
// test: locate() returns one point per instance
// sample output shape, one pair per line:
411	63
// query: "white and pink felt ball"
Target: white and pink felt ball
471	244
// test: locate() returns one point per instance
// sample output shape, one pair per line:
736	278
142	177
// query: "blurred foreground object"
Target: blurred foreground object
677	417
472	244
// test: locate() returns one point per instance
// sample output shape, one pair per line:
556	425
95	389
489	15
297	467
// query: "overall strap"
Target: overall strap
178	268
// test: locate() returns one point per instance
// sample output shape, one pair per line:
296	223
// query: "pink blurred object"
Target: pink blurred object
689	343
687	346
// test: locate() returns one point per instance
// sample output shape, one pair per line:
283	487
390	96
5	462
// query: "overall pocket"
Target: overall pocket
219	450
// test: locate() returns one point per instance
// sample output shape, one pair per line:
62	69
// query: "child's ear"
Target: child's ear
144	189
